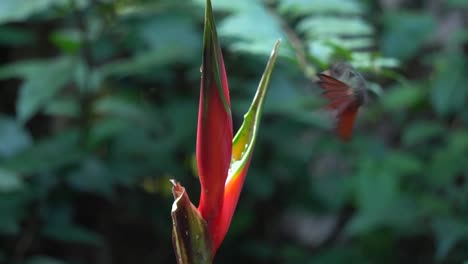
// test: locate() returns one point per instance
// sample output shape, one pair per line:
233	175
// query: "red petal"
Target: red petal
231	197
214	133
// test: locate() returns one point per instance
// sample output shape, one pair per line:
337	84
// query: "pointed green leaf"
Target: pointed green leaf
244	140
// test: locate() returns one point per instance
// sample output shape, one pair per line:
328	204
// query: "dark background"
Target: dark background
98	106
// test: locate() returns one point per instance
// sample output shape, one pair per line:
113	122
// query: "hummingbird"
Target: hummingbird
346	91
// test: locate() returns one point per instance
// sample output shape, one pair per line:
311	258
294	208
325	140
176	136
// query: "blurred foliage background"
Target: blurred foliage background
98	106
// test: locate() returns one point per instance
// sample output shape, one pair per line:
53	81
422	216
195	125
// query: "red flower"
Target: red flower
222	161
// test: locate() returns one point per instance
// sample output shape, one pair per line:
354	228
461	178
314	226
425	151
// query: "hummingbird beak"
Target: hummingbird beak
327	72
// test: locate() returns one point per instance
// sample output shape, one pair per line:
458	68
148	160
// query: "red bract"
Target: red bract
214	134
222	161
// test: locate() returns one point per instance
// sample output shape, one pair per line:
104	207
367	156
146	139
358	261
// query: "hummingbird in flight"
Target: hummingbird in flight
345	89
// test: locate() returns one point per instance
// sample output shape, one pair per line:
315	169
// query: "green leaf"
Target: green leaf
333	40
15	35
449	92
12	208
68	41
380	200
405	33
306	7
67	107
330	36
47	154
321	50
259	38
234	25
128	110
283	95
285	99
320	26
448	232
13	138
449	160
42	81
112	127
244	140
9	181
402	97
419	132
400	163
370	62
92	177
174	37
160	42
17	10
457	3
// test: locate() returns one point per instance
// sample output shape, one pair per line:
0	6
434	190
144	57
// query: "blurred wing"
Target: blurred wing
346	117
335	91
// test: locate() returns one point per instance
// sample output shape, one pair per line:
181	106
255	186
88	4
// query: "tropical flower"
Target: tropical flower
222	160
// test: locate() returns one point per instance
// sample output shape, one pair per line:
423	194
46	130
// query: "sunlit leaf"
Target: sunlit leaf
302	7
259	38
320	26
